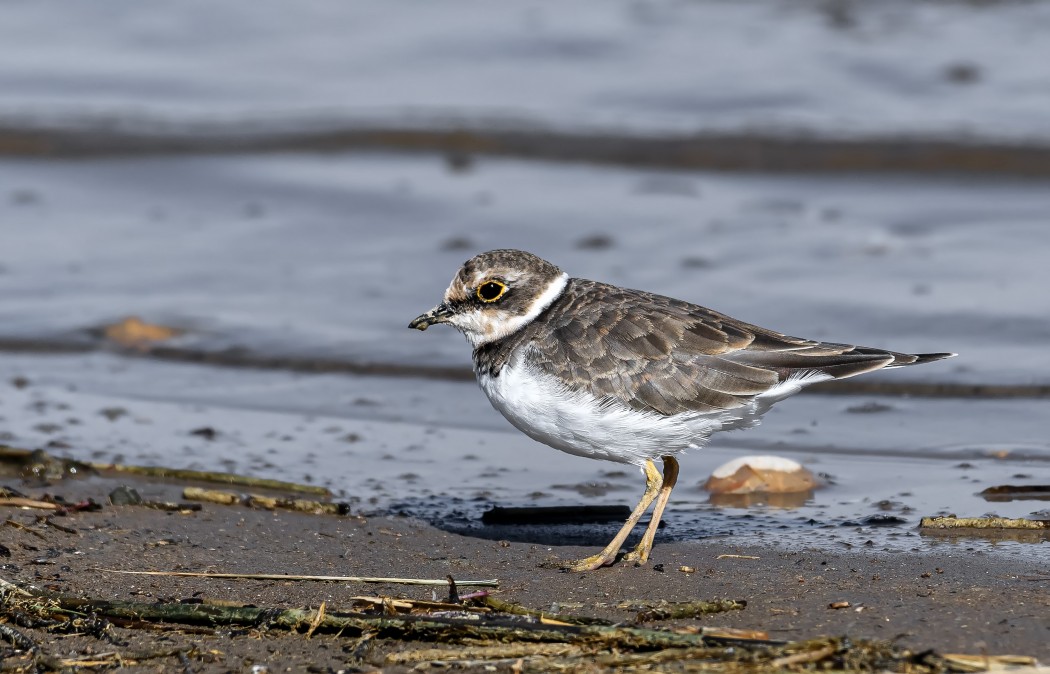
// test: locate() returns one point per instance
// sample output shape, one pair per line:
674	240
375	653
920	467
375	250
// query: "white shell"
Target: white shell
763	462
761	474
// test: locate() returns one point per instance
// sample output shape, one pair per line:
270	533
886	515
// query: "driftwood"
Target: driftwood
42	464
265	502
982	523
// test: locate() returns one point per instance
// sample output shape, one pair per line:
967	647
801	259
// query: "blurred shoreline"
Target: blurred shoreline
773	151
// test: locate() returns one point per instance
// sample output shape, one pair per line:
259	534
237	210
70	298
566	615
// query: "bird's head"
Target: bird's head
495	294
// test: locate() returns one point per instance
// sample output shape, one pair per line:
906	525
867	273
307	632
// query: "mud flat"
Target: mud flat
948	599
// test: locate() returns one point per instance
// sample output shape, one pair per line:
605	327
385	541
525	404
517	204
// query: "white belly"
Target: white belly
540	406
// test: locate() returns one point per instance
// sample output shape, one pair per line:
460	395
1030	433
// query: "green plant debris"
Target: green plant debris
982	523
265	502
526	643
688	609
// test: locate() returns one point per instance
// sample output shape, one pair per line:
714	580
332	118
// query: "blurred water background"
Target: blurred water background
288	186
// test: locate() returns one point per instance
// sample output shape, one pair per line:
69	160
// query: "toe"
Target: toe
589	563
639	556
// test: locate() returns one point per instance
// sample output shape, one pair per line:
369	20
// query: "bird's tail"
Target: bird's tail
906	359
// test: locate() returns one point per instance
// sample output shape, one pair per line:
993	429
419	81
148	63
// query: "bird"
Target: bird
624	375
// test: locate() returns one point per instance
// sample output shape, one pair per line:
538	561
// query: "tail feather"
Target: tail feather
849	363
917	358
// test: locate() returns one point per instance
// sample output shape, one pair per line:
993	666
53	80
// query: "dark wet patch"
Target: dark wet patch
458	243
696	262
591	489
206	432
870	407
555	515
1009	492
595	242
962	73
113	413
667	185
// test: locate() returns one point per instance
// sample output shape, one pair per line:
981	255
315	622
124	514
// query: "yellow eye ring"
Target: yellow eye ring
491	290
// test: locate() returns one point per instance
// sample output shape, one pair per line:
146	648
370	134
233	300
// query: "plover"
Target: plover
624	375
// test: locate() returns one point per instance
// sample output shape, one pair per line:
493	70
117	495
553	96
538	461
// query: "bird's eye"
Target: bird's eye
490	291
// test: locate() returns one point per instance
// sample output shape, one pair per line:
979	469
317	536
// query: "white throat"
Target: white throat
481	327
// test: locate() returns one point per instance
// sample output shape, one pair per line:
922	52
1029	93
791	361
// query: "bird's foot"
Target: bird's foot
639	555
591	563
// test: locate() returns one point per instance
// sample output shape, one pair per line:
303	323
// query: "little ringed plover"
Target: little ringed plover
623	375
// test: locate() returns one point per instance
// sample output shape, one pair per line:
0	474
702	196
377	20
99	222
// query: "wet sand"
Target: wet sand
950	599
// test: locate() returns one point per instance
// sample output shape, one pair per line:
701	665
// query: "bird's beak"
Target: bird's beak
438	314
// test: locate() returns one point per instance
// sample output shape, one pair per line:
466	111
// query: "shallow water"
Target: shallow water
437	450
325	258
891	68
328	257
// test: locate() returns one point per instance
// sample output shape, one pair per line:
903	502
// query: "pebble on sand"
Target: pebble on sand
760	474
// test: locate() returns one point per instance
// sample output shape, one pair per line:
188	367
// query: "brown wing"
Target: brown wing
664	355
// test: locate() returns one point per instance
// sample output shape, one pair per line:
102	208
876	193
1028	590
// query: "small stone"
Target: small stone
206	432
124	495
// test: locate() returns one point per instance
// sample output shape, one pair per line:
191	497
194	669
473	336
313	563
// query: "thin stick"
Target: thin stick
281	576
804	656
22	527
16	502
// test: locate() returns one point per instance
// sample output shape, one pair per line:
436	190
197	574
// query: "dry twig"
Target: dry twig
281	576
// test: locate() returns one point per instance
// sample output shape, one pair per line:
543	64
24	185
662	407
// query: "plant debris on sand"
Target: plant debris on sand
492	632
220	588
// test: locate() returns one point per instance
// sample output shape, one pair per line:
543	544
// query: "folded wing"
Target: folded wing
667	356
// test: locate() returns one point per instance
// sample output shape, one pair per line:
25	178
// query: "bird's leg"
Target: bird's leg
640	554
608	555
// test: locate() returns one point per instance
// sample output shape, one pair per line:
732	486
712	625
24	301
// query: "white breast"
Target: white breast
576	422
